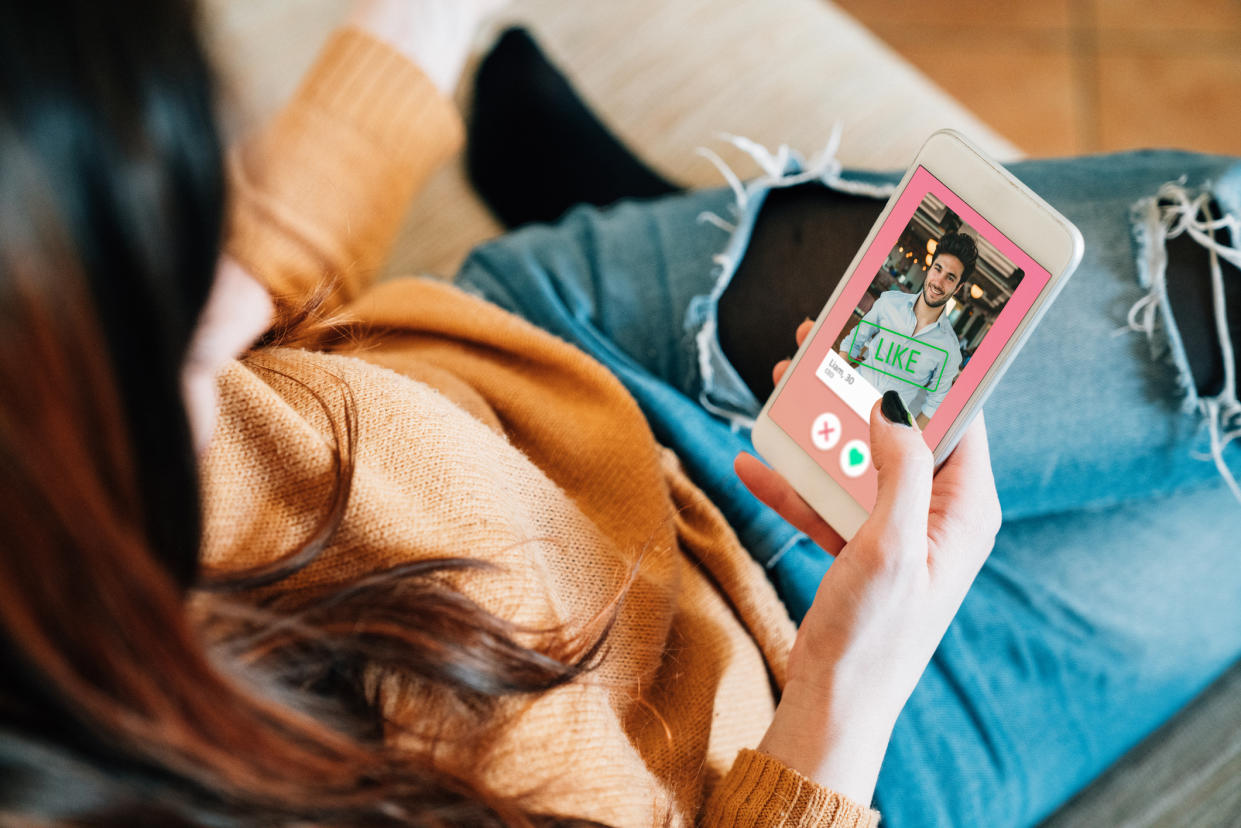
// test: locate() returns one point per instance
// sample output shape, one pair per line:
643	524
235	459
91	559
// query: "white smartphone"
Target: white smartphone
948	285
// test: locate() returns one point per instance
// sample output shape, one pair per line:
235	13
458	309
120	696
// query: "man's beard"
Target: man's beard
939	304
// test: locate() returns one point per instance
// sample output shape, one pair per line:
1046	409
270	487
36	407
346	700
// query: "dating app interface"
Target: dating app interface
930	306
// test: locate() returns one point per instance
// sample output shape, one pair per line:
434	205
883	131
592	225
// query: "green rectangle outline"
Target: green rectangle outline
938	377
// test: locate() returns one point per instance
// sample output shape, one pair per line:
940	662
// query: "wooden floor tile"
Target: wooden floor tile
1169	42
1161	15
877	14
1019	84
1188	101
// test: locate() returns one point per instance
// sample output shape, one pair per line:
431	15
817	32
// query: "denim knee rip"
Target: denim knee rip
723	392
1176	210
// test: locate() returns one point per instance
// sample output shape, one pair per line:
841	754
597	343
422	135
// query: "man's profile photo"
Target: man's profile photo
905	342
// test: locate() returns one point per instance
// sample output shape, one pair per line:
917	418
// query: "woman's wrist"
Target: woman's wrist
835	738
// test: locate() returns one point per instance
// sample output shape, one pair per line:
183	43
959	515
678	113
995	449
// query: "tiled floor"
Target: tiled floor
1071	76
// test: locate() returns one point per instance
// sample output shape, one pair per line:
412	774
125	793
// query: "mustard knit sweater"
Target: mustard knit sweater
480	435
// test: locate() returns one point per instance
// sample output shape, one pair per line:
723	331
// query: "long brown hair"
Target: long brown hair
119	704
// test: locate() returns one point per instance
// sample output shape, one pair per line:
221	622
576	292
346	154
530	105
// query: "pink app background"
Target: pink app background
805	397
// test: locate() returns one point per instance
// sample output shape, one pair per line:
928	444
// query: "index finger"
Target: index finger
769	486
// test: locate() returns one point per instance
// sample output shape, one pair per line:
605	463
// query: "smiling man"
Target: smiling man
906	343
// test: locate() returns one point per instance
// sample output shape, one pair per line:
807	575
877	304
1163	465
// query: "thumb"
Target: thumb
904	466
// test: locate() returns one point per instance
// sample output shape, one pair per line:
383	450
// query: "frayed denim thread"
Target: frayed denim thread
1153	224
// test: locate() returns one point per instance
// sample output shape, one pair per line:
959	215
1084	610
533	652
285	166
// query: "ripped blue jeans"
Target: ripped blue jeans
1113	595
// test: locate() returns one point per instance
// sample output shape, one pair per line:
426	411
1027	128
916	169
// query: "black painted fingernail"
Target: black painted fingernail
894	409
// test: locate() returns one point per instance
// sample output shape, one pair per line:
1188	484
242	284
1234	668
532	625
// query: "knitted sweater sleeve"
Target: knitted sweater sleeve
317	197
762	791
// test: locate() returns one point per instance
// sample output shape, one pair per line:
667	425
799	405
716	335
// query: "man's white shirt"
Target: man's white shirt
901	358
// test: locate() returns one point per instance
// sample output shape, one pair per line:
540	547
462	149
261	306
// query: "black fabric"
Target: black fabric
804	239
534	149
1193	310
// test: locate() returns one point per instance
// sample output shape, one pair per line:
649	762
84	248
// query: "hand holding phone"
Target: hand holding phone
886	601
949	283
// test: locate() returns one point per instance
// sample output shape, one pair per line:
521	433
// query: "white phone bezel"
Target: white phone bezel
1017	212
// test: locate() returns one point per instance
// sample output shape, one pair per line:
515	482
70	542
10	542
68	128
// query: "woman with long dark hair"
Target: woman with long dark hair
281	546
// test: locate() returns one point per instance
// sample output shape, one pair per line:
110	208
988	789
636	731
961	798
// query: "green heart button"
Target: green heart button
856	458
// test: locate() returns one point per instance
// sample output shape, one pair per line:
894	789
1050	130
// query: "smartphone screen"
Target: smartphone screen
928	309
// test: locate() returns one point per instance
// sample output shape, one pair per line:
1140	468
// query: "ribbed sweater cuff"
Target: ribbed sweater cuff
380	92
762	791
